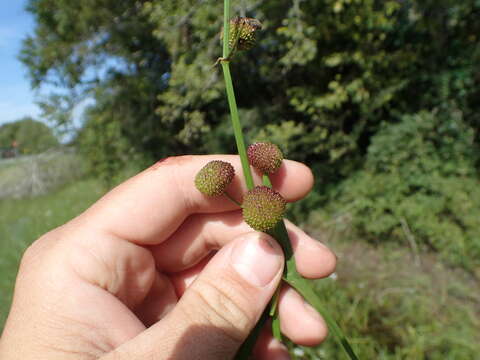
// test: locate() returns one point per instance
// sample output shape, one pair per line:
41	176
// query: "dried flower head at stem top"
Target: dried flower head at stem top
242	33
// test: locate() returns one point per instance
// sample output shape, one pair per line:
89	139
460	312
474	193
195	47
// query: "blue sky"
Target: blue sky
16	97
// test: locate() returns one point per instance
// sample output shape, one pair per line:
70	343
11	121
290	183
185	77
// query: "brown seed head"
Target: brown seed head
242	29
263	208
213	178
265	156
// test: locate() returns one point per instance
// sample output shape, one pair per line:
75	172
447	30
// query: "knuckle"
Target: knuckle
224	309
35	254
34	251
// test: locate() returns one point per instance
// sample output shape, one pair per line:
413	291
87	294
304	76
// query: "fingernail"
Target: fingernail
257	258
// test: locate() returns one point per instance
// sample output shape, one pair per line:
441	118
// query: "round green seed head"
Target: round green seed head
265	156
263	208
213	178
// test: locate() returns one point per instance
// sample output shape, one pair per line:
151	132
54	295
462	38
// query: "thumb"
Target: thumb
217	312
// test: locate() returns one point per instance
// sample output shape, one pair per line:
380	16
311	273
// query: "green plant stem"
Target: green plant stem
304	287
299	283
237	128
280	233
232	103
226	28
246	349
277	334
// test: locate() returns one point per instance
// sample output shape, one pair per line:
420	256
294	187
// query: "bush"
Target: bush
33	175
419	184
323	77
108	153
393	309
30	136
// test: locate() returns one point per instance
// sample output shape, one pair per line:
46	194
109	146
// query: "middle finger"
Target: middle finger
202	233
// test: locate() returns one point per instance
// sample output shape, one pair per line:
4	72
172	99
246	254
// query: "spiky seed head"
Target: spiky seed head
213	178
263	208
265	156
243	29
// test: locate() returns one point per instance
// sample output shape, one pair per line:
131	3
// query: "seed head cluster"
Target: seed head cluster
263	208
243	29
265	156
213	178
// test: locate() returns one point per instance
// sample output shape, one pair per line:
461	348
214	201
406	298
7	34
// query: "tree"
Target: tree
419	178
330	71
29	135
103	50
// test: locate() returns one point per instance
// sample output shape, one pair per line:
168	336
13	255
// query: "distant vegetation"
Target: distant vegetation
380	98
327	76
24	220
27	136
395	306
419	185
38	174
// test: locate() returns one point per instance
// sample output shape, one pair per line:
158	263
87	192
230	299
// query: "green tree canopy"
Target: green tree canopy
29	135
328	71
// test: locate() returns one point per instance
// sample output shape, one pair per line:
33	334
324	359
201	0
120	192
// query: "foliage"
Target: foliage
330	70
103	143
105	51
420	182
24	220
38	174
393	308
31	136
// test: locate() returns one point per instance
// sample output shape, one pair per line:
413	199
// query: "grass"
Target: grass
394	307
38	174
24	220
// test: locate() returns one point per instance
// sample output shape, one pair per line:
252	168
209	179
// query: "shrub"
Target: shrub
419	184
31	136
394	309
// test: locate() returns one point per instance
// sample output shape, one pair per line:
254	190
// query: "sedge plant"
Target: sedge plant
263	208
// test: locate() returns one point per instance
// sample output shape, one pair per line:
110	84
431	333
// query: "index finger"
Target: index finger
149	207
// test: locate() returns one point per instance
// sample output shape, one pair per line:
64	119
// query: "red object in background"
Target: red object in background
9	152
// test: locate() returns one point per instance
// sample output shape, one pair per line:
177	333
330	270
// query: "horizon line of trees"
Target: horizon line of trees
26	136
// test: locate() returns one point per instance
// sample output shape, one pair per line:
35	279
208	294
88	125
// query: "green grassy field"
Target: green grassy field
24	220
392	304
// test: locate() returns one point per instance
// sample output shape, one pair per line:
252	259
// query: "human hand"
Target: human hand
134	276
